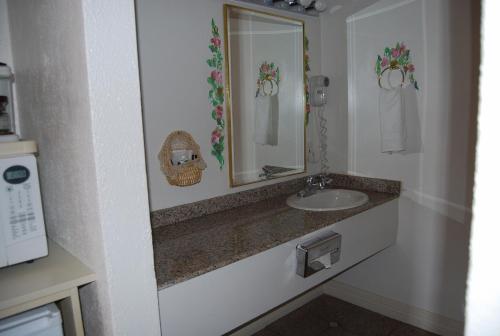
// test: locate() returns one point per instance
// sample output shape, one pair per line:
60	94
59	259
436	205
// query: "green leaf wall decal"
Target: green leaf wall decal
216	94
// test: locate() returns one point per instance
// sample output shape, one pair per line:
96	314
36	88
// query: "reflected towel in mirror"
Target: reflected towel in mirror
266	120
392	120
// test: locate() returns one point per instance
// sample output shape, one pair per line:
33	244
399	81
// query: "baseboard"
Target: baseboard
417	317
277	313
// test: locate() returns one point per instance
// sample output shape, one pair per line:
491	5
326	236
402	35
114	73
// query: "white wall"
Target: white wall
428	265
78	88
483	292
173	48
5	50
115	104
334	64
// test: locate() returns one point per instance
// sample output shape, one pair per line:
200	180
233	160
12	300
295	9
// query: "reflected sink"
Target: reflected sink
328	200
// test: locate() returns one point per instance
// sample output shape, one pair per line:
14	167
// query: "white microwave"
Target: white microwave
22	227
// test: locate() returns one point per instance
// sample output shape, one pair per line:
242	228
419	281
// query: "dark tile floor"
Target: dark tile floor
328	316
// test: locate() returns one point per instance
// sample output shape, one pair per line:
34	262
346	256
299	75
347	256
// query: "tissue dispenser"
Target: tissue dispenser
318	253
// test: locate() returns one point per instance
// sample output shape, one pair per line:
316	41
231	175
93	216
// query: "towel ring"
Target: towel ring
391	68
262	88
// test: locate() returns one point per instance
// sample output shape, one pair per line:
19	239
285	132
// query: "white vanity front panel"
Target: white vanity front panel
219	301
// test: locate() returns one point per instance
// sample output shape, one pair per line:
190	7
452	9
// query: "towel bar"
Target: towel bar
403	77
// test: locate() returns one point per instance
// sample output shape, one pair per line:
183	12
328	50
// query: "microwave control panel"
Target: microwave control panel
21	212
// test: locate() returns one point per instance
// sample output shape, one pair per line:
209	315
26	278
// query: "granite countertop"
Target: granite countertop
195	246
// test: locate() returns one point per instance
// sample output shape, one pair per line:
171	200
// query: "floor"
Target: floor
328	316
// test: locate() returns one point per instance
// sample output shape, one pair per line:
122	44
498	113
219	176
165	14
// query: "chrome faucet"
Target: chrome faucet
270	171
318	181
313	184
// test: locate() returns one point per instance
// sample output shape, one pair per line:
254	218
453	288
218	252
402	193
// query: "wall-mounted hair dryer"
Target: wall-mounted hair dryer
318	85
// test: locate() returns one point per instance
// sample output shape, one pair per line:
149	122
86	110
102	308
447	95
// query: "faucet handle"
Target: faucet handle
324	180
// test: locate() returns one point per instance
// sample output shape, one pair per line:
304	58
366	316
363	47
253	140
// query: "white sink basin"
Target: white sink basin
328	200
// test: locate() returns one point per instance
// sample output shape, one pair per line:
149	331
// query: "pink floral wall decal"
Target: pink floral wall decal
397	58
216	95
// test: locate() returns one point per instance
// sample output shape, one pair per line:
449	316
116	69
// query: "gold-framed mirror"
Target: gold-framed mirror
265	95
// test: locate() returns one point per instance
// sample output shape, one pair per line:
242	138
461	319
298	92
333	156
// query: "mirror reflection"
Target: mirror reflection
265	96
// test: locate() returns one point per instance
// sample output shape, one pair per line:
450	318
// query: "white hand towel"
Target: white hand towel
266	120
392	120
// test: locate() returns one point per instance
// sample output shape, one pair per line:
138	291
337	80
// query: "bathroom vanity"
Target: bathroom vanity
225	261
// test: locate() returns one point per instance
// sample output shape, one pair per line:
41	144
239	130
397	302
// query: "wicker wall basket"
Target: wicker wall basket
187	173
